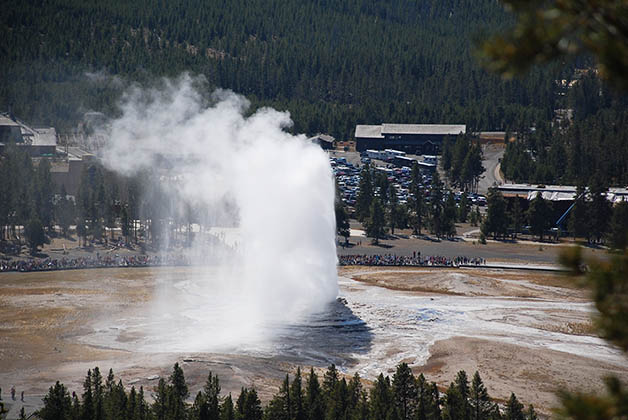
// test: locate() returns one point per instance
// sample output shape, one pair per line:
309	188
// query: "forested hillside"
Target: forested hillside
333	64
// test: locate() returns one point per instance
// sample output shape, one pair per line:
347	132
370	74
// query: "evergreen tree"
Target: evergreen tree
539	214
57	404
618	228
462	384
496	222
531	414
404	391
436	205
381	398
314	403
177	393
599	210
227	411
449	216
161	405
453	407
463	208
514	409
516	216
211	394
365	195
87	412
35	235
479	401
342	221
417	201
578	217
393	210
44	193
376	223
297	397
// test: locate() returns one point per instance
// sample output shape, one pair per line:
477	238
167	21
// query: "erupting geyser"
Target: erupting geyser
272	188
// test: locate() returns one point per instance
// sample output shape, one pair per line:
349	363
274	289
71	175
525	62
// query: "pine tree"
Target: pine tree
496	221
578	216
57	404
297	398
178	393
393	209
463	209
516	216
365	196
449	217
87	413
454	407
212	396
598	210
161	405
618	227
404	392
226	409
480	402
381	398
436	205
514	409
35	234
314	403
376	223
462	384
539	214
417	201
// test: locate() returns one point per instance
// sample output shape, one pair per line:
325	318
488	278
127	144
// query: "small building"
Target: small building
325	141
68	172
555	193
411	138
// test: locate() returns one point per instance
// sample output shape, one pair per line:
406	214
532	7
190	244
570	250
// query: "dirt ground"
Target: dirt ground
534	375
44	315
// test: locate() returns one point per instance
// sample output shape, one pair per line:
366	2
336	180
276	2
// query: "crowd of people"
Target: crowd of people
414	260
97	261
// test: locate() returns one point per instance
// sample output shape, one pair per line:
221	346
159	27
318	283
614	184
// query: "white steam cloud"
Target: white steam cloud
274	189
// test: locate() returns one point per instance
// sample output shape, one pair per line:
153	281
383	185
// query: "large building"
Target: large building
411	138
38	142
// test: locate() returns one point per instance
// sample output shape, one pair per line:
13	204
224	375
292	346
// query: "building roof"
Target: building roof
378	131
368	131
441	129
556	192
4	121
323	137
45	137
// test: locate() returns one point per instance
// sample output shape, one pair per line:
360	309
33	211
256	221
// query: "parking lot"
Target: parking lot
347	166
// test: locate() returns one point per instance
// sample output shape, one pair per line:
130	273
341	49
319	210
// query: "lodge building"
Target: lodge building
411	138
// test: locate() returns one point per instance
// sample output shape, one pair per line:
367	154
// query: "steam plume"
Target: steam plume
275	188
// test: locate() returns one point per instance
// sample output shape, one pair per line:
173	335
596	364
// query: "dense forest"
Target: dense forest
591	144
403	397
332	64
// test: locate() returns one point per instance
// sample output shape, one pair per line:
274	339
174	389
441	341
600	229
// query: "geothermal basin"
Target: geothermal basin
524	332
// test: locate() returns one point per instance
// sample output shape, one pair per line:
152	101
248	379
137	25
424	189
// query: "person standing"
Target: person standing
13	393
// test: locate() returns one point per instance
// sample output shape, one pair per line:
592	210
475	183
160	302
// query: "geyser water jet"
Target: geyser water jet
274	189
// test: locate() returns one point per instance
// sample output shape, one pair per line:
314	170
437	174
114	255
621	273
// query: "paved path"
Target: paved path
30	404
491	176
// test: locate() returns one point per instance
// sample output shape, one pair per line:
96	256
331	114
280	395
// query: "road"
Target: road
491	176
